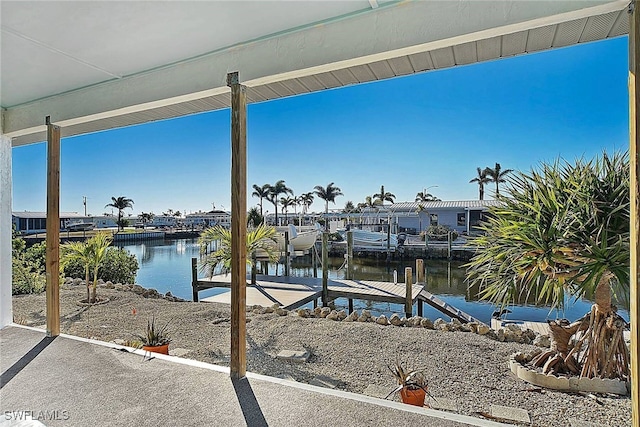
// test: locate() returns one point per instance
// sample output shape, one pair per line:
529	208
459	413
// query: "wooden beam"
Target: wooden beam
408	301
634	152
238	226
420	270
325	269
194	278
52	267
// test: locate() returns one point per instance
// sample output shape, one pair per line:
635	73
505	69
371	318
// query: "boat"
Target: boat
371	240
301	239
79	226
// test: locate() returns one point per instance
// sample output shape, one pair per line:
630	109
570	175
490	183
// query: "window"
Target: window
462	219
433	218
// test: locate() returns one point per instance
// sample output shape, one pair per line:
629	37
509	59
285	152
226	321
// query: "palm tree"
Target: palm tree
261	193
254	218
497	175
91	254
306	199
481	179
146	218
423	196
384	196
274	191
564	230
261	238
286	202
120	203
349	207
328	194
369	202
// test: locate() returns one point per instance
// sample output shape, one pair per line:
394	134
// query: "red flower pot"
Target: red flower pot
162	349
413	397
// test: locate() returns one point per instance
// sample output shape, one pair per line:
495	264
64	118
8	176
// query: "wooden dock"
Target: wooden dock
293	292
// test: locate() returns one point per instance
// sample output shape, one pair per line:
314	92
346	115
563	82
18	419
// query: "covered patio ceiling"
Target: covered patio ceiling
93	66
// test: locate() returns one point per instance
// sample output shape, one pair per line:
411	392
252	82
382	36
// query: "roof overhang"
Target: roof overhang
394	39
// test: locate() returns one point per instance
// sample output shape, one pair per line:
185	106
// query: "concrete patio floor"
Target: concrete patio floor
70	381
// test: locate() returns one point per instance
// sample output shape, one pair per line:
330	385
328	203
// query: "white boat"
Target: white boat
371	240
301	239
79	226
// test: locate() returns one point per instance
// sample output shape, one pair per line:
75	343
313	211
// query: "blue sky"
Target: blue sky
407	133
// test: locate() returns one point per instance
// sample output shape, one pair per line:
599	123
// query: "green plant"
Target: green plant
91	255
154	335
28	271
118	266
409	379
261	238
562	232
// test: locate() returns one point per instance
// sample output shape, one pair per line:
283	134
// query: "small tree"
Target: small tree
564	230
91	255
261	238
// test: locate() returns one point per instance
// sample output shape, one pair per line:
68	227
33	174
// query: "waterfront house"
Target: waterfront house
36	222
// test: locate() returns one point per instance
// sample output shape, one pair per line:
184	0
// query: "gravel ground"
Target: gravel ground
467	368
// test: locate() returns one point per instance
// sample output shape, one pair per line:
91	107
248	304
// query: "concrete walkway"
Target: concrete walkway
70	381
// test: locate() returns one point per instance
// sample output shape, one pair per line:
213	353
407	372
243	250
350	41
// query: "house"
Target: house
36	222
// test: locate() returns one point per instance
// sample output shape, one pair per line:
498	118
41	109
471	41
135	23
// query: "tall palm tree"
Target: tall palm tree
306	201
261	193
121	203
481	179
349	207
91	254
254	218
564	231
423	196
286	202
384	196
497	175
327	194
274	191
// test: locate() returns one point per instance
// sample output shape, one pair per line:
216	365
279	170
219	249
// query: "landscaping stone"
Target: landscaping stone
510	413
333	315
324	381
395	320
296	356
542	341
382	320
483	329
325	311
426	323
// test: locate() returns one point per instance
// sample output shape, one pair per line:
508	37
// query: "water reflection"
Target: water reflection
166	266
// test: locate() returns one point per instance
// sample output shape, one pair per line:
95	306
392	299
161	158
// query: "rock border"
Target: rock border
565	383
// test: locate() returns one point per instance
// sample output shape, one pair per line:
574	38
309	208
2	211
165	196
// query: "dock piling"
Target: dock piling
325	269
408	281
419	270
194	278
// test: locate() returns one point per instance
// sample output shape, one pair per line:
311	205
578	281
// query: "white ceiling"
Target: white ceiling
98	65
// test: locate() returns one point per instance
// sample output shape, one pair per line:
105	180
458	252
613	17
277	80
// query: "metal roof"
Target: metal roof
99	65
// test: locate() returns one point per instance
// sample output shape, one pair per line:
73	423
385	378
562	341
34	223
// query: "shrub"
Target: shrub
27	269
119	266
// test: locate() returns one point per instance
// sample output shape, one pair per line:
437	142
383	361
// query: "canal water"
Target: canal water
166	266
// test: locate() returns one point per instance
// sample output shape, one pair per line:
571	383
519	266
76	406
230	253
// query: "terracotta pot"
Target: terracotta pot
162	349
413	397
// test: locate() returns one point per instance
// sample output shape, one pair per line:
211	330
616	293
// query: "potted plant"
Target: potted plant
412	385
156	339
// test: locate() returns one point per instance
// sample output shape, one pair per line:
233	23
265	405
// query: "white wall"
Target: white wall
6	310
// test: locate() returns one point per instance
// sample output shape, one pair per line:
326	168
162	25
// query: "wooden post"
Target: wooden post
634	153
287	254
388	242
52	267
314	261
408	302
419	270
420	307
325	269
349	254
449	245
238	363
254	262
350	305
194	278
